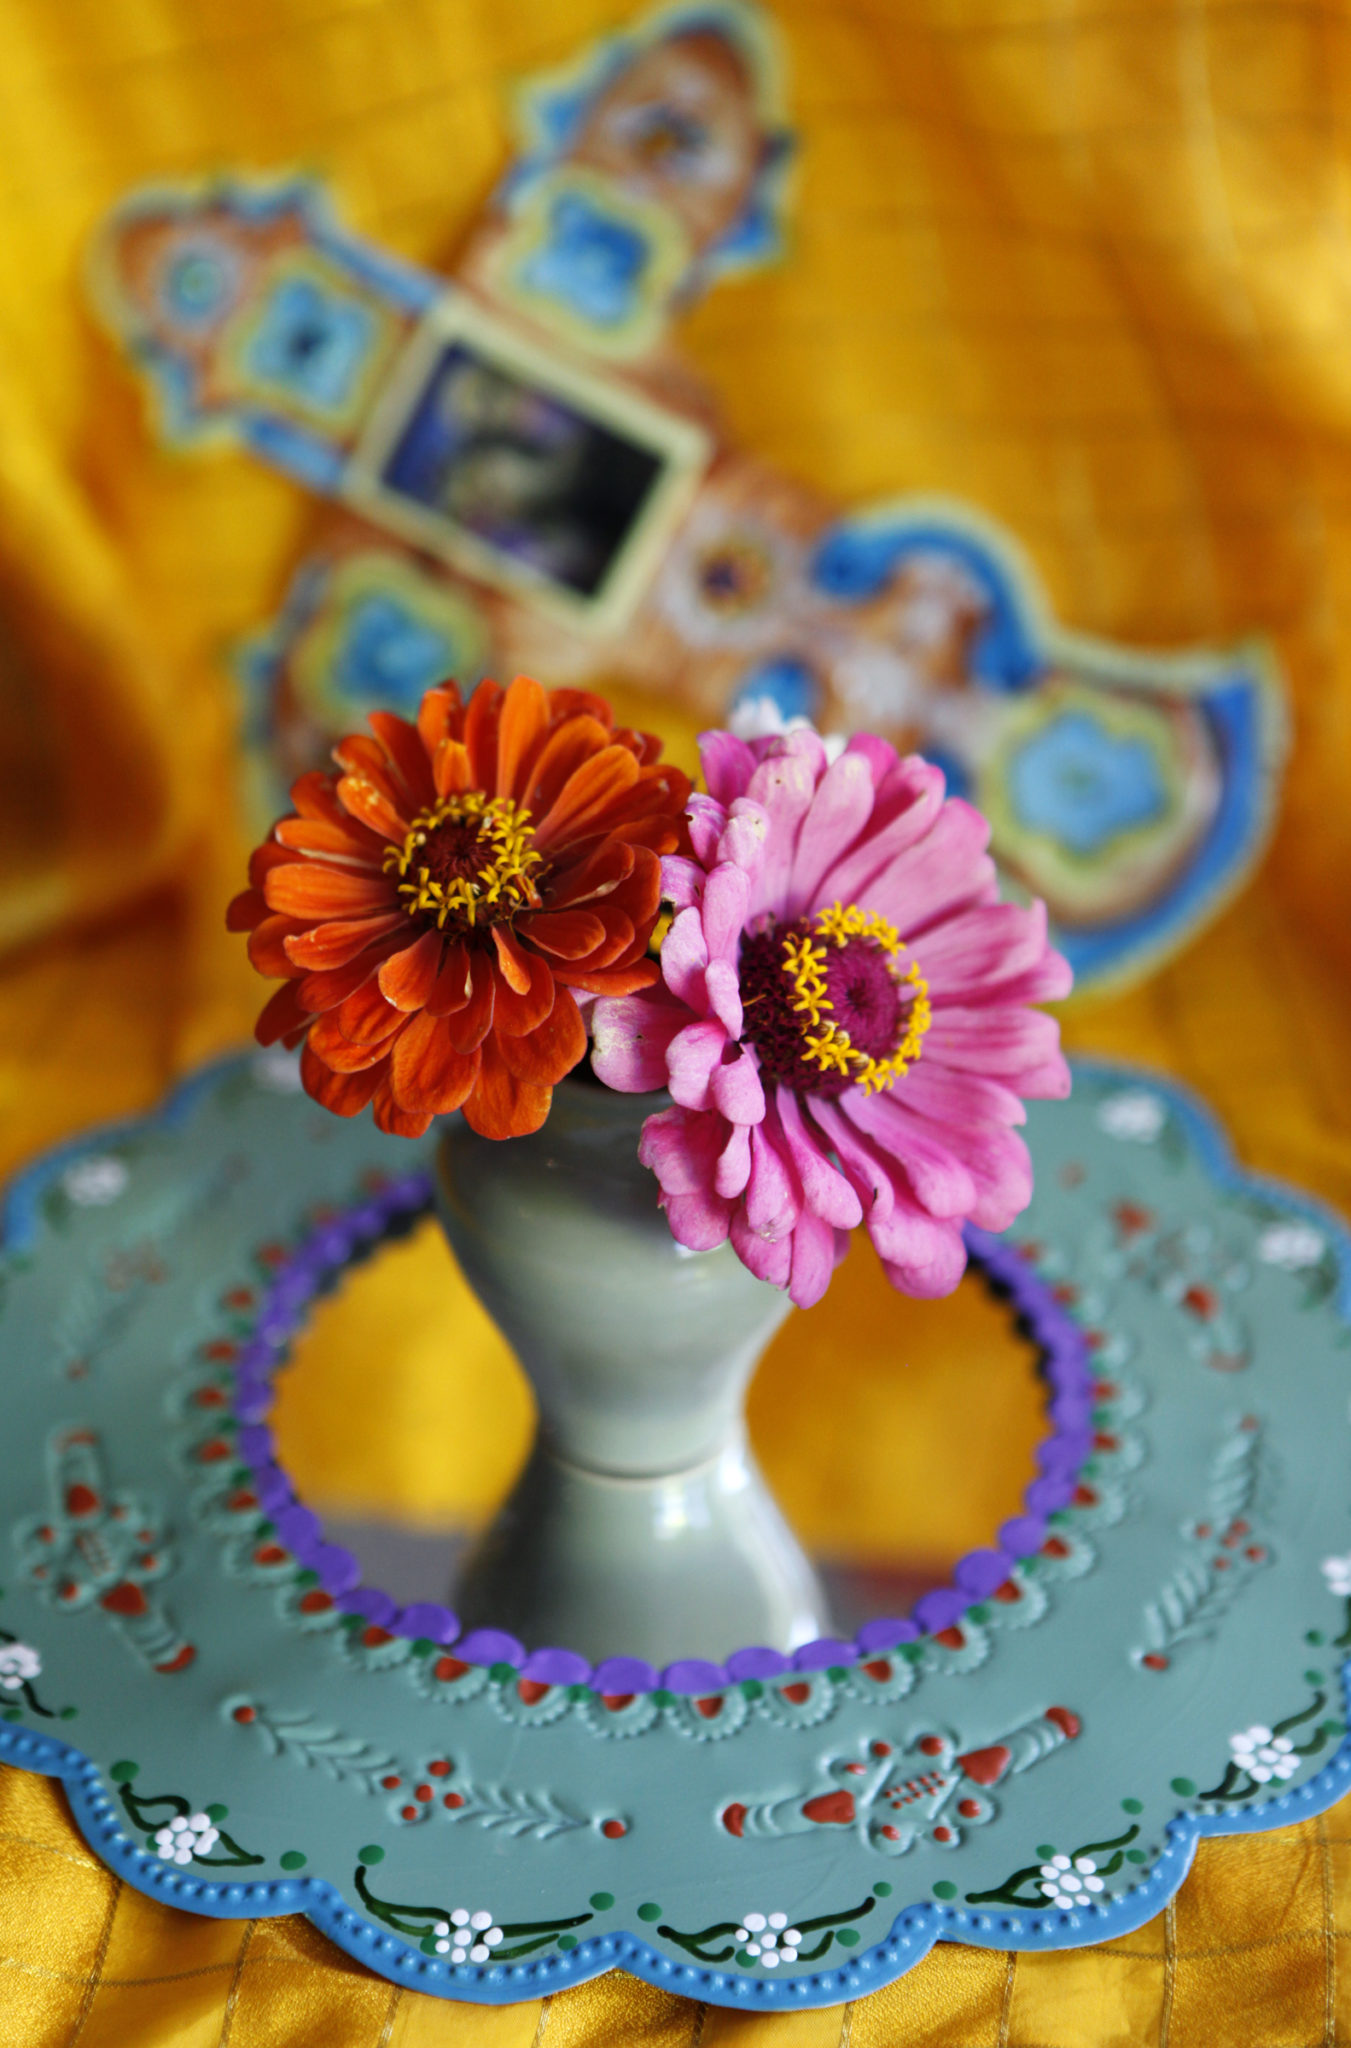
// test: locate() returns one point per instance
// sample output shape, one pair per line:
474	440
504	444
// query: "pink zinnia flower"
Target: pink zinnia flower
844	1025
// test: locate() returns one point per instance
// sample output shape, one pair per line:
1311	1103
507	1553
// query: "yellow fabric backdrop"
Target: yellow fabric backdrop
1090	271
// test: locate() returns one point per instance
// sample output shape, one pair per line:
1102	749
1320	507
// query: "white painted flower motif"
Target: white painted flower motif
1069	1881
1263	1755
18	1661
92	1183
468	1936
187	1837
1295	1246
769	1939
1337	1572
277	1070
1135	1116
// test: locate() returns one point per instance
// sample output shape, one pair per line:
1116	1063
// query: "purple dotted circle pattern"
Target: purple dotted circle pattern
343	1239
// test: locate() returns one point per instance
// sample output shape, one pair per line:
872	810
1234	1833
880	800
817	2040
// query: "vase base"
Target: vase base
693	1563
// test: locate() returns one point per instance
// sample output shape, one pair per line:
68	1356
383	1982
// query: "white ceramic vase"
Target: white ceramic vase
640	1524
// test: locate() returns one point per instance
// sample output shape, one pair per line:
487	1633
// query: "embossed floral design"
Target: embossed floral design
1069	1881
1135	1116
1262	1754
768	1938
185	1837
845	1024
95	1182
467	1937
435	907
1294	1246
19	1663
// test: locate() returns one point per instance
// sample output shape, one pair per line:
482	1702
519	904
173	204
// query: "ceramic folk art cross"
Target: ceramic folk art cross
525	476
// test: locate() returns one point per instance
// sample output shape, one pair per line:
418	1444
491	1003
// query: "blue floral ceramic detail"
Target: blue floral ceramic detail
1085	785
199	282
789	685
389	656
311	342
592	262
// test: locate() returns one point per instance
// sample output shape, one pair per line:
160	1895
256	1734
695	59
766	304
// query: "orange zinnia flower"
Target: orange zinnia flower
434	905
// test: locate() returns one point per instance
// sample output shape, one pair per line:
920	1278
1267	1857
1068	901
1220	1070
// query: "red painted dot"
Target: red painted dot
1238	1528
1154	1661
210	1397
950	1638
710	1707
409	1812
316	1601
942	1834
373	1636
613	1830
969	1809
245	1714
879	1668
439	1767
220	1349
880	1748
423	1792
1106	1390
244	1498
448	1668
44	1534
270	1553
856	1770
1105	1441
931	1745
1203	1531
1009	1592
797	1693
1095	1339
453	1799
1221	1564
615	1702
239	1297
1202	1301
1066	1296
1055	1546
213	1450
271	1254
531	1690
1255	1552
391	1784
892	1834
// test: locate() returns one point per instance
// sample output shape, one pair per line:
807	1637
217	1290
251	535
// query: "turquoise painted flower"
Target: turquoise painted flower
592	262
1081	783
311	342
389	656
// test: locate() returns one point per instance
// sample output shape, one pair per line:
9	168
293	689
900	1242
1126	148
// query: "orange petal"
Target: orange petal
469	1025
567	748
369	801
511	960
609	981
366	1016
266	857
524	722
501	1105
317	835
398	1123
480	734
265	946
452	769
588	794
344	1094
520	1013
330	986
407	978
569	703
543	1056
283	1016
426	1074
454	984
440	716
403	744
571	934
622	941
347	1055
337	941
246	910
312	889
600	871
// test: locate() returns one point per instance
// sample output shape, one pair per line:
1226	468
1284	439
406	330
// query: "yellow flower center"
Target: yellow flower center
849	991
469	860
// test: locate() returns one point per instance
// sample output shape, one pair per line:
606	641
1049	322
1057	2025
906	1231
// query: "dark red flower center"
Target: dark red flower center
468	861
828	1005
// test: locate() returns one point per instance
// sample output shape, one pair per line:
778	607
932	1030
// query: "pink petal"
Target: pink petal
698	1221
727	895
948	870
682	881
724	995
906	1237
879	754
813	1260
952	1097
1021	1047
682	1148
839	811
772	1203
904	809
930	1278
735	1090
684	956
630	1036
981	949
785	786
728	765
769	1258
917	1148
826	1191
707	823
1000	1169
691	1058
734	1164
746	836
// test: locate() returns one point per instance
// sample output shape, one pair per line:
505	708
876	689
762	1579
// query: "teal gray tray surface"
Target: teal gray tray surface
1151	1651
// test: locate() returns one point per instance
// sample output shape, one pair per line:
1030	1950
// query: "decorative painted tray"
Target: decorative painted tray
1152	1650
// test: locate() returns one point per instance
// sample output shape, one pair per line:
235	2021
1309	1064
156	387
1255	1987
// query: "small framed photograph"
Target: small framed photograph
544	479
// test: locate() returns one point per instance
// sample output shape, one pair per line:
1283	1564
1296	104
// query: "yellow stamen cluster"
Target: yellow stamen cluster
826	1044
501	882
